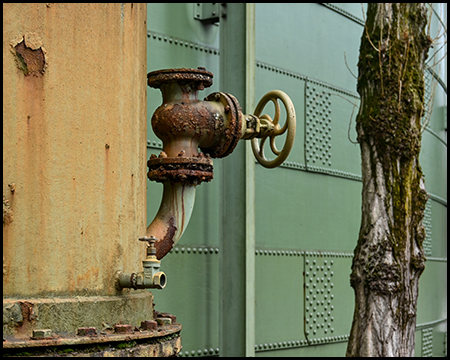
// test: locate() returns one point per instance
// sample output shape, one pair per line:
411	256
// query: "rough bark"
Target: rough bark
389	257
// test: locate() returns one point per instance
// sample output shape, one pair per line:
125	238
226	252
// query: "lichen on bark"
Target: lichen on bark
389	257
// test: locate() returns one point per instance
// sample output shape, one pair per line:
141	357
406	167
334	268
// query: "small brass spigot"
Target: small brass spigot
150	277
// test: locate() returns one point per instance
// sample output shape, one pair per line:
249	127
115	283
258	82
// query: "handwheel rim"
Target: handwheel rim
289	126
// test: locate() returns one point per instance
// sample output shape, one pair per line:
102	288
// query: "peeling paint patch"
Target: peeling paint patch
30	55
7	212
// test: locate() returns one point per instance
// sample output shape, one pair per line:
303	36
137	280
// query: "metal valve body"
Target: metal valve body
184	123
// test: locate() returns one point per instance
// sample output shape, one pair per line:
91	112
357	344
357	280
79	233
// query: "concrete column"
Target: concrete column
74	148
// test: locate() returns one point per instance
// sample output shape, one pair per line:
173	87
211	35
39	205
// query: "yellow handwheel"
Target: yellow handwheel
275	129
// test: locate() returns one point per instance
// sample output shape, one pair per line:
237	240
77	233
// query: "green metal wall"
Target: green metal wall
307	211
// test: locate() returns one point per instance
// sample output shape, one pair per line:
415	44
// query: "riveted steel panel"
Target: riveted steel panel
318	39
279	291
192	294
427	342
432	301
328	228
318	126
304	206
328	301
439	229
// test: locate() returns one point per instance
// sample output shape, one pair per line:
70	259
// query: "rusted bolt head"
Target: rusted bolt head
42	334
87	331
167	315
163	321
123	329
149	325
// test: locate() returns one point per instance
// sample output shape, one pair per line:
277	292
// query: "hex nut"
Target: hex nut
149	325
123	329
42	333
164	321
87	331
167	315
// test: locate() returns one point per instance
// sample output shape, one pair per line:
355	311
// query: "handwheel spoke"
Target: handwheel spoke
273	147
261	147
276	119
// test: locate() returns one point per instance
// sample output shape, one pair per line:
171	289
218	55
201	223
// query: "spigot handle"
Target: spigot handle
151	249
271	129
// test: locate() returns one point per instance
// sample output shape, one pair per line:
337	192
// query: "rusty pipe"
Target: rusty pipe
173	216
184	124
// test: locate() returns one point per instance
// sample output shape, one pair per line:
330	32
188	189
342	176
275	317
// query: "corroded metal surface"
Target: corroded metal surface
185	124
167	346
103	337
230	134
180	169
173	216
182	75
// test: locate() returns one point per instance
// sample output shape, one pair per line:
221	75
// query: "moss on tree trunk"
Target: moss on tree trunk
389	256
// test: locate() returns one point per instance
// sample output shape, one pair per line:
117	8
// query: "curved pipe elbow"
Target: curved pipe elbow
173	216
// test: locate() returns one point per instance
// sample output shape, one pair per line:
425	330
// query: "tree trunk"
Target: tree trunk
389	256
